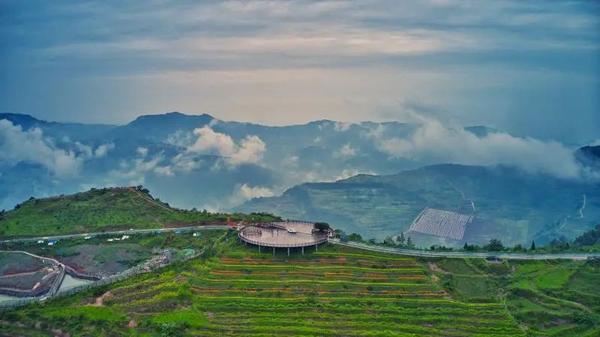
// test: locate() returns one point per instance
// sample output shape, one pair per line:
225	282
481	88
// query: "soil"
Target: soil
100	300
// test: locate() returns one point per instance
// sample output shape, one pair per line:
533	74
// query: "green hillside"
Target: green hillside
235	291
101	210
507	203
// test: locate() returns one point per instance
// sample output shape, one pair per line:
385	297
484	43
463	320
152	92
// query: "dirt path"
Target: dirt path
153	202
582	207
99	302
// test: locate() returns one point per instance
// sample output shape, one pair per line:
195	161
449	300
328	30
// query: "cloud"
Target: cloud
103	149
88	152
142	151
18	145
248	192
342	126
243	193
434	141
345	151
249	151
134	171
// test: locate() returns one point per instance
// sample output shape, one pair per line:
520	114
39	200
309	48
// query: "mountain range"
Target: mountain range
369	177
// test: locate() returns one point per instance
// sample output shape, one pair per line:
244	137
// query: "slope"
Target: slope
100	210
507	203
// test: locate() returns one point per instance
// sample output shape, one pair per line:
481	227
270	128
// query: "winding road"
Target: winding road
399	251
115	233
462	255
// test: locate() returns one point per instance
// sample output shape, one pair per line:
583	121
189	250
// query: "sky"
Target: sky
531	68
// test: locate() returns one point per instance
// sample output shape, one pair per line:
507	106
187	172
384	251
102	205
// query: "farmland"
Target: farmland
233	290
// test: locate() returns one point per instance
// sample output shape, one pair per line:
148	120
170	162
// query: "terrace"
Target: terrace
289	234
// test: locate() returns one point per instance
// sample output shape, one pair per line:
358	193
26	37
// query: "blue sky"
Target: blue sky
528	67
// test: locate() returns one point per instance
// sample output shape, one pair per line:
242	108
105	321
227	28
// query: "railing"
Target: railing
278	245
139	269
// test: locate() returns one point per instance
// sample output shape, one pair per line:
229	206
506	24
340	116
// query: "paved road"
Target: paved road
507	256
400	251
116	233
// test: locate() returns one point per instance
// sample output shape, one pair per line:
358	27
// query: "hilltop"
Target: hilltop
101	210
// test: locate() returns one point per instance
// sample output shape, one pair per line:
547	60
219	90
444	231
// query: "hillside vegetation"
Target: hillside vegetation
236	291
507	203
102	210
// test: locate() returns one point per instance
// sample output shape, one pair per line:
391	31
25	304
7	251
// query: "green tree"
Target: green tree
532	245
495	245
409	243
322	226
355	237
389	241
401	240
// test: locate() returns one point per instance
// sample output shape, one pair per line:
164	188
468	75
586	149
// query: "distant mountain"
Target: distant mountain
507	203
481	130
157	128
76	131
154	150
589	156
203	162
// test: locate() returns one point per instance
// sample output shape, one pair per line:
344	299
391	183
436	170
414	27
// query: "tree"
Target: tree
588	238
355	237
401	240
322	226
389	241
532	245
342	235
409	243
560	244
518	248
495	245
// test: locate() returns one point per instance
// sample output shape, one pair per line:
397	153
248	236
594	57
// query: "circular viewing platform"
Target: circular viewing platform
288	234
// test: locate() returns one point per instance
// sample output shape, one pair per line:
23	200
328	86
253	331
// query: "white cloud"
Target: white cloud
133	172
347	173
345	151
142	151
88	152
342	126
245	192
248	192
249	151
18	145
433	141
103	149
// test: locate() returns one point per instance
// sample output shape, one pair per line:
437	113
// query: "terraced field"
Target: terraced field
239	292
336	294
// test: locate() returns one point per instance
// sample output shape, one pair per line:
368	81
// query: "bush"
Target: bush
495	245
322	226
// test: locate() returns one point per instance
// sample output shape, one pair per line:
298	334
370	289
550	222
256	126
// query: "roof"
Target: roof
441	223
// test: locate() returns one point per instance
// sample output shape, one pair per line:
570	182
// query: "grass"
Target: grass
547	298
235	291
239	292
101	210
